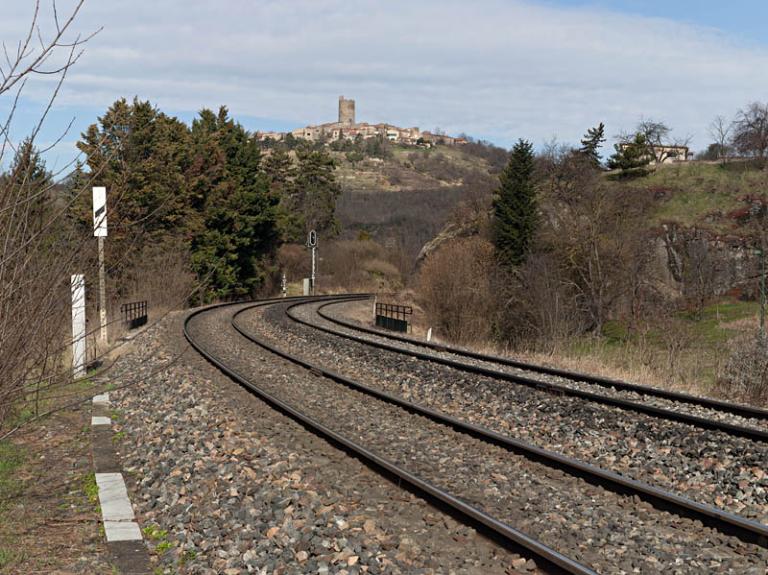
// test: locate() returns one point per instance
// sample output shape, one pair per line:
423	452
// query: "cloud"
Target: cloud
500	69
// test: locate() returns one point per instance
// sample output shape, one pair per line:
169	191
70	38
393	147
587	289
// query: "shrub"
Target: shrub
455	289
294	260
358	264
745	374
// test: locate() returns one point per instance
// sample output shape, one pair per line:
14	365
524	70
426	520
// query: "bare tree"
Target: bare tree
720	129
37	251
750	133
656	134
456	289
700	273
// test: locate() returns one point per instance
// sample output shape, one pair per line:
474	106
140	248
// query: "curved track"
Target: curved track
744	421
479	508
552	559
708	466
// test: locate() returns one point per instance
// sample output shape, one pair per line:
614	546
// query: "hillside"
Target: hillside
713	197
404	168
404	198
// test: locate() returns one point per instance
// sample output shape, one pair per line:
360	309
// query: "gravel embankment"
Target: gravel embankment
611	533
240	488
707	466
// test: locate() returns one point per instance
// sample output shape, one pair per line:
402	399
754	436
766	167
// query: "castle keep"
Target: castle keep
346	111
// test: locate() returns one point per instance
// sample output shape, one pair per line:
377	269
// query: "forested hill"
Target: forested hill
405	196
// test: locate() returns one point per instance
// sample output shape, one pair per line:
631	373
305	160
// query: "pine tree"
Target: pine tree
592	142
140	155
77	195
281	173
201	187
313	195
31	184
631	157
236	213
515	207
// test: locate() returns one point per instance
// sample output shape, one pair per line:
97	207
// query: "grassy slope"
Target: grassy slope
685	351
703	194
398	173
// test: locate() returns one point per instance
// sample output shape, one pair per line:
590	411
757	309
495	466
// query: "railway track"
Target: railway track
707	466
549	504
731	418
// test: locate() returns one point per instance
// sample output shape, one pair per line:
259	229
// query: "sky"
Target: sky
494	69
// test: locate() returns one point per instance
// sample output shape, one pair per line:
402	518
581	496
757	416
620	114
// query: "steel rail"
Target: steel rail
751	433
725	406
745	529
550	557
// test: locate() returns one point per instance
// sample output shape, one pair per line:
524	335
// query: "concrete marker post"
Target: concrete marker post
78	326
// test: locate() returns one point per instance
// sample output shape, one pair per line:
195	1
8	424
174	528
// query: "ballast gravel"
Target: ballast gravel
703	465
224	484
609	532
336	311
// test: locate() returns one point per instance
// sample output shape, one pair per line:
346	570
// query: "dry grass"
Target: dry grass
47	521
696	364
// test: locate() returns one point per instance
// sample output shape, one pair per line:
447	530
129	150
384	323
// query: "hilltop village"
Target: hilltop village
347	128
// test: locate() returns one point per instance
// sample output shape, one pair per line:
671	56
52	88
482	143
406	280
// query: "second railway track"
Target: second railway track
609	531
735	419
707	466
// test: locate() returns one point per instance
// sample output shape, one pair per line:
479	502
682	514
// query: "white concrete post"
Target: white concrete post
78	326
102	294
429	334
306	286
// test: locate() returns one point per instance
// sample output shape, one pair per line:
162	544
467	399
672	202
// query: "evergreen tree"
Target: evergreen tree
31	184
236	232
515	207
202	187
281	174
140	155
313	195
77	195
631	157
592	142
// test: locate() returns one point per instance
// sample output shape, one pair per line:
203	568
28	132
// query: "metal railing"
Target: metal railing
134	314
393	316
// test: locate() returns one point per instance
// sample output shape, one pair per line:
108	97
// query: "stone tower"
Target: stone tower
346	111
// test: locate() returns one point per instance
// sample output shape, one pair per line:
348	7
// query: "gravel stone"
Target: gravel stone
240	488
542	502
704	465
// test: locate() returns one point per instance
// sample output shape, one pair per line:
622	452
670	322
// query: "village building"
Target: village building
664	154
347	128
